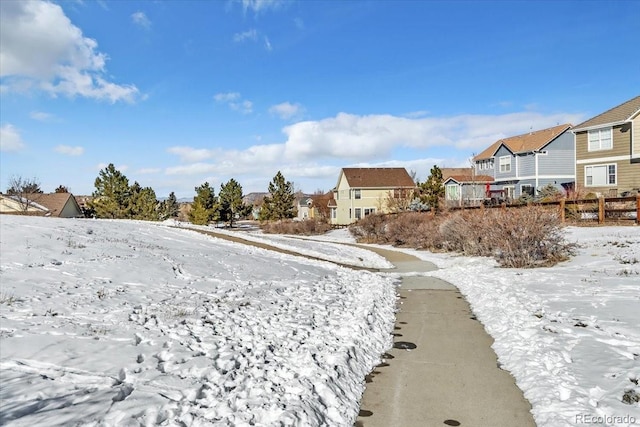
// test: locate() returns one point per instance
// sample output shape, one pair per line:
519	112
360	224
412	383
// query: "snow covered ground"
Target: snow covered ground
132	323
124	323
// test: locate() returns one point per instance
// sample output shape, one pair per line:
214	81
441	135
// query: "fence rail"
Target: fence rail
601	209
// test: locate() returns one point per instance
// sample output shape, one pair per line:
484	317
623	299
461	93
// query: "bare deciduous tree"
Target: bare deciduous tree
25	191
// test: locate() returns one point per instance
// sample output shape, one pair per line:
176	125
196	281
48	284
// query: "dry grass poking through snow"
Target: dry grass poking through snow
520	238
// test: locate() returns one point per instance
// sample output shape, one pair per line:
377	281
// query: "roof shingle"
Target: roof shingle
378	177
618	114
525	143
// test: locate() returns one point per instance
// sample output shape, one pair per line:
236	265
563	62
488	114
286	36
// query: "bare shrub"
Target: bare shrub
525	237
371	229
307	227
468	232
528	237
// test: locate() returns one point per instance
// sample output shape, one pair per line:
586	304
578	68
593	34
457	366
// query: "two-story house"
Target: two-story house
608	150
526	163
364	191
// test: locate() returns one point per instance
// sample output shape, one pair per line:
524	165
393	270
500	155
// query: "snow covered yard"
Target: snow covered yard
132	323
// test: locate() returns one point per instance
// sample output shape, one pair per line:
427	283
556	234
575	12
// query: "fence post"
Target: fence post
601	210
562	211
638	208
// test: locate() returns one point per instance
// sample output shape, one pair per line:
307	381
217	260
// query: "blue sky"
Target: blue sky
176	93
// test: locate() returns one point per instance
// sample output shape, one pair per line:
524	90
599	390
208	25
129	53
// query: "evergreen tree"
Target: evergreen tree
279	204
231	204
205	206
433	189
142	203
111	198
169	208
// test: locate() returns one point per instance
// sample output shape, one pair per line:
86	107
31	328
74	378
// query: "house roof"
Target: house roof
378	177
465	179
19	203
615	115
526	142
54	202
449	172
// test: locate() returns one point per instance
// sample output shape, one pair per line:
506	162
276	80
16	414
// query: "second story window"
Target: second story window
356	194
505	164
600	139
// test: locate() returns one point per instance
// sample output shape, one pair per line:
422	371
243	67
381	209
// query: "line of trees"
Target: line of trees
229	205
115	198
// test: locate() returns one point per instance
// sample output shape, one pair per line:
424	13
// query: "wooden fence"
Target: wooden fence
618	209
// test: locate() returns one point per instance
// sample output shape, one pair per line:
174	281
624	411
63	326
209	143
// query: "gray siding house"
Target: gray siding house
526	163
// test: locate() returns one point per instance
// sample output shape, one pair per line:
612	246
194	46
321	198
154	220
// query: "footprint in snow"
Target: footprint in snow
124	392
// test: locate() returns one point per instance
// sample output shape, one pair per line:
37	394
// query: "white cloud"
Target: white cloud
247	35
226	97
10	139
140	18
40	116
69	151
192	169
258	6
299	23
42	49
313	151
189	154
286	110
267	44
348	136
235	102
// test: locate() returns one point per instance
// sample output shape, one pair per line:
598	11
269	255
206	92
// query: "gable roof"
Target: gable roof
54	202
525	143
377	177
16	203
449	172
467	179
614	116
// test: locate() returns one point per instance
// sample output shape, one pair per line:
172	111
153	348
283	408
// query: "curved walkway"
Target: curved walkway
441	370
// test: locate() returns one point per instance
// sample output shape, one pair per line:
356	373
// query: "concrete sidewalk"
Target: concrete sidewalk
442	370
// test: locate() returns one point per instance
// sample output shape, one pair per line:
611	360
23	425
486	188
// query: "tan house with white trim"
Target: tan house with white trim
608	151
364	191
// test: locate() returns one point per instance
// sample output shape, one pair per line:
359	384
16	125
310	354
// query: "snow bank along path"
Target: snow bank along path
132	323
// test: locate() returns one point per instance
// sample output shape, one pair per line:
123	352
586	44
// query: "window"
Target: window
358	213
356	194
600	139
527	189
600	175
505	164
452	192
334	213
369	211
509	191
